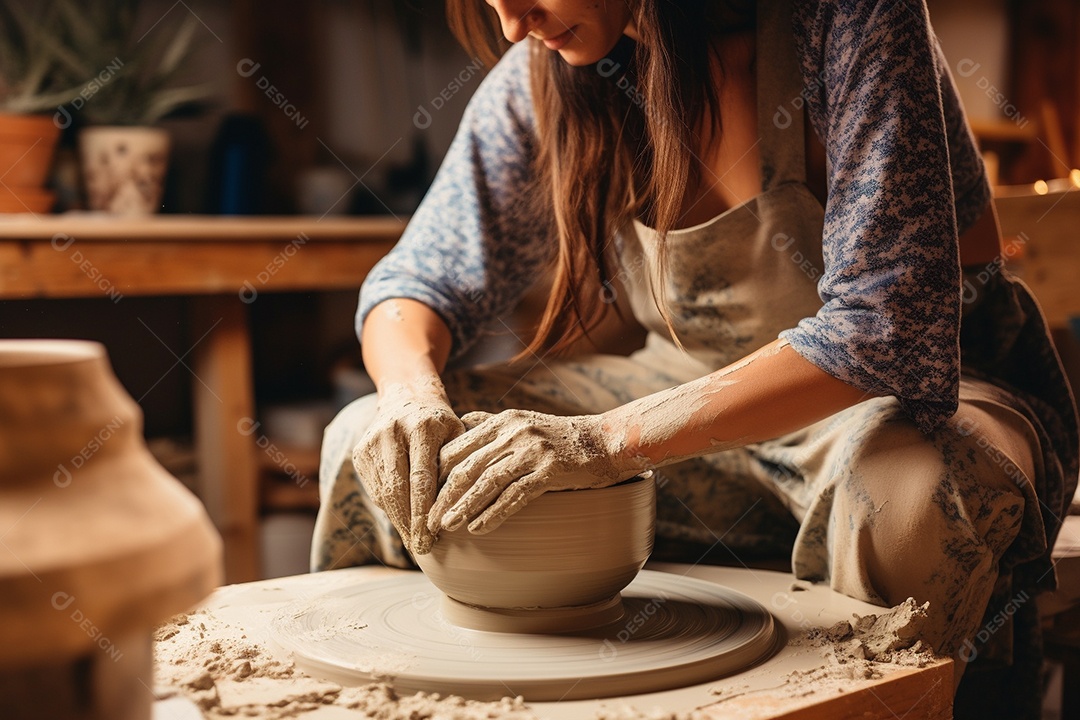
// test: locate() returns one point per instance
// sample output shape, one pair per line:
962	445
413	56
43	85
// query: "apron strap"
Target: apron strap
779	97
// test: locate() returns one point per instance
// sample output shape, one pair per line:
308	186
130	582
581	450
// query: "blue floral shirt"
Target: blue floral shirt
904	178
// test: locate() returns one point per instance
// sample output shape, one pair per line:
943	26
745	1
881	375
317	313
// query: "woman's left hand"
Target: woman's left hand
504	461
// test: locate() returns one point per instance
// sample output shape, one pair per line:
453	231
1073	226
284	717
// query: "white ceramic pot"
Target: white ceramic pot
124	168
100	543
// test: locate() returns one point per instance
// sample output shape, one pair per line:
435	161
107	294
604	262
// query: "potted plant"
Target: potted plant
30	92
130	79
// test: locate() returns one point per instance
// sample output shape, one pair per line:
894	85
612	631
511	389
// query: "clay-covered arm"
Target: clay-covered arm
405	346
506	460
771	392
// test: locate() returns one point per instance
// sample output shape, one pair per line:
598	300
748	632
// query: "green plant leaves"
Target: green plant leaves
93	55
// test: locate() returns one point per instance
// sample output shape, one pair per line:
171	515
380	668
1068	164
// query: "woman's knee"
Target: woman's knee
923	516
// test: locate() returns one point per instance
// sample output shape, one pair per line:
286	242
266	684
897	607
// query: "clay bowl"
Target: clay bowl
565	550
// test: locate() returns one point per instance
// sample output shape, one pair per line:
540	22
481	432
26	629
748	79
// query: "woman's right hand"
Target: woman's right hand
397	458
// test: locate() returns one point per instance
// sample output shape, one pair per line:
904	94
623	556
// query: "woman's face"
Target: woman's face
582	31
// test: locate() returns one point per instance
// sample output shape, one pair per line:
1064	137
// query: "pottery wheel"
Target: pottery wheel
674	631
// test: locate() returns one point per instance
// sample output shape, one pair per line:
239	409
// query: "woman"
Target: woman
804	364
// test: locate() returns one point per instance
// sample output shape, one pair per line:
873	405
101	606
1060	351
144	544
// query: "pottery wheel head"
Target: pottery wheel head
549	621
671	632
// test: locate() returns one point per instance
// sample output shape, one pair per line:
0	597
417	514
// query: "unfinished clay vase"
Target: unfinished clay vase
124	168
98	543
559	563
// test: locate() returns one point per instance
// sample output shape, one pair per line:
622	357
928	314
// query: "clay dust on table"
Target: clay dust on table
213	664
891	637
867	647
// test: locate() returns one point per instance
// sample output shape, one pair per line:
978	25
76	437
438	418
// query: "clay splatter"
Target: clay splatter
211	663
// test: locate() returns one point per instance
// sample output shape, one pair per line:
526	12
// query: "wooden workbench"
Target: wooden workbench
222	263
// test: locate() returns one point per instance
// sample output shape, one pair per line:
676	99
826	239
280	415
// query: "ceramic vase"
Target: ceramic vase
124	168
98	543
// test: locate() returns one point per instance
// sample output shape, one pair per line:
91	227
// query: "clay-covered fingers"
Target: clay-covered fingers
479	434
513	499
472	419
425	443
423	466
383	467
474	478
397	459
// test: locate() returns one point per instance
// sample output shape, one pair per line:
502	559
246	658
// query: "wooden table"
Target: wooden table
223	263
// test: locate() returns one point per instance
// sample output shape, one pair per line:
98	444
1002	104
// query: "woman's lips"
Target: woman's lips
556	42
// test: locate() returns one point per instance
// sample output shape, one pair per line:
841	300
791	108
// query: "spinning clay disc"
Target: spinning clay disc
673	631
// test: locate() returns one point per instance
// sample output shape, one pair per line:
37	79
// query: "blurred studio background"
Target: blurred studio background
272	144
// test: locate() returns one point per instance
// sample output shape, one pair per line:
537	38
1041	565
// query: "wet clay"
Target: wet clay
674	631
565	549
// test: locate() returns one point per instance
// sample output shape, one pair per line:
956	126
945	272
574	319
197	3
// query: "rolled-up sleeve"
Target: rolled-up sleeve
890	319
478	239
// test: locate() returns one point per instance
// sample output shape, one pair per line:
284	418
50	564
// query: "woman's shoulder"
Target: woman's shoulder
505	88
511	73
832	25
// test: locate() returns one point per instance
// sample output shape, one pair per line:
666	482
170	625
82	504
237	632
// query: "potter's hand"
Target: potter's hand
506	460
397	457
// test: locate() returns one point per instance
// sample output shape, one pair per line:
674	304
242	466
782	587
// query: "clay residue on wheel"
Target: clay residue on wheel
213	664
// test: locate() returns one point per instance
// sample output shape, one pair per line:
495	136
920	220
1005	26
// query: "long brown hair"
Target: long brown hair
615	140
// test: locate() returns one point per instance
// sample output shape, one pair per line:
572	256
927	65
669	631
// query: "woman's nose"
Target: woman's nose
518	17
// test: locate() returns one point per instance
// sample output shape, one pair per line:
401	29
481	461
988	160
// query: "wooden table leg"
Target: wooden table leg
224	413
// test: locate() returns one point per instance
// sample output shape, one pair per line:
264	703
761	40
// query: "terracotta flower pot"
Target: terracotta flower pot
100	543
124	168
27	146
